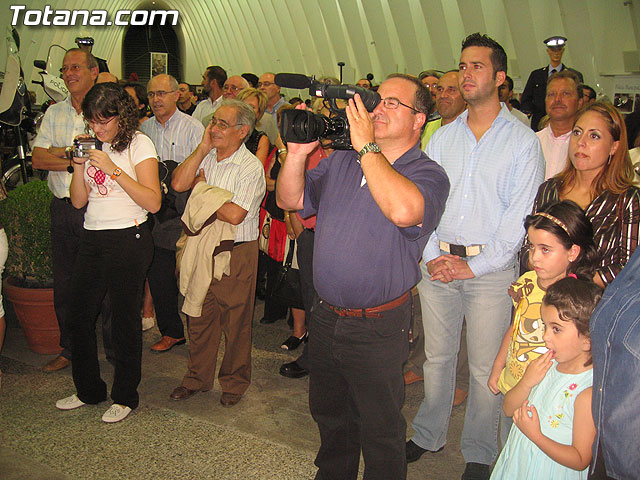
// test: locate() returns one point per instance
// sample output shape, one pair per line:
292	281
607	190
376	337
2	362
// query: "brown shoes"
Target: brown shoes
182	393
410	377
166	343
229	399
56	364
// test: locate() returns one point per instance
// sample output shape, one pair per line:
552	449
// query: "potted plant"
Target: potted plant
25	216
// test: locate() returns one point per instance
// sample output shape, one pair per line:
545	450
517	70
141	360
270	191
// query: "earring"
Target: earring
609	160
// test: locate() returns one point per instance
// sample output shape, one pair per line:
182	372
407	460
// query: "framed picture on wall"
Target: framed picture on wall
158	63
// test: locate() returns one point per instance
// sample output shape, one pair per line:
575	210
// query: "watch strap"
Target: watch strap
116	173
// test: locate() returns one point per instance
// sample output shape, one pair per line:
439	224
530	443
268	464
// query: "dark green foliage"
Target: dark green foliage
27	222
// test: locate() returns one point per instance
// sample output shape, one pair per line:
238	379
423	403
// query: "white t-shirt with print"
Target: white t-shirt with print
110	207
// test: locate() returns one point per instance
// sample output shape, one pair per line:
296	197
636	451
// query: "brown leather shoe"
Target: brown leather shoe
459	397
410	377
182	393
229	399
166	343
56	364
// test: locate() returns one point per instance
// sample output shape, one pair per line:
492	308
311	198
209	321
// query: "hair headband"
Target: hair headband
555	220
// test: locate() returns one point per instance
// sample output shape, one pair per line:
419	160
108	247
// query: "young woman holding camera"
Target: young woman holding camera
119	184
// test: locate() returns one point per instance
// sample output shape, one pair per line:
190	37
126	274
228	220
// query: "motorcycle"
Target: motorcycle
52	85
18	121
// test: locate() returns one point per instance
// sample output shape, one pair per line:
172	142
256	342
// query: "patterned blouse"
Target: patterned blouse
615	220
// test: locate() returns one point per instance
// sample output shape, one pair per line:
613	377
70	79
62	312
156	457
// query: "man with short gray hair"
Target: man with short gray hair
175	135
222	160
267	83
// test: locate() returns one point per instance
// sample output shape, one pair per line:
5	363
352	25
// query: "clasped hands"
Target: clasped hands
447	268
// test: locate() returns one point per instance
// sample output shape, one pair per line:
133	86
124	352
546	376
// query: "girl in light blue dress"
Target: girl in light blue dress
553	427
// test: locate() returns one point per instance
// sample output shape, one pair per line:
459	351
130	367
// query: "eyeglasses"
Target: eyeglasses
100	123
232	88
221	124
72	68
430	85
265	84
392	103
160	94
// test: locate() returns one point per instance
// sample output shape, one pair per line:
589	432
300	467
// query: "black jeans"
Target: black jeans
66	234
356	392
113	262
164	290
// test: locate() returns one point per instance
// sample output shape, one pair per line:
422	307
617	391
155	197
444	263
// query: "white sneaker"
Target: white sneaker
116	413
69	403
148	323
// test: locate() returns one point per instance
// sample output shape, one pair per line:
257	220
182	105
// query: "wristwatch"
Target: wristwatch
116	173
369	147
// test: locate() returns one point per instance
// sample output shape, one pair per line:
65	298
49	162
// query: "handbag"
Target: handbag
287	290
265	230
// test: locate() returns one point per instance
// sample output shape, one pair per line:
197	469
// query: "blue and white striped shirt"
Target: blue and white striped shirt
493	184
243	175
60	125
178	138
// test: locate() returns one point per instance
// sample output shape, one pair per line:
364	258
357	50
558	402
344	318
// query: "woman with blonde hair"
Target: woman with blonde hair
257	143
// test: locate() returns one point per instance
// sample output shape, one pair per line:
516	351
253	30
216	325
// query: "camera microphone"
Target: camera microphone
370	99
292	80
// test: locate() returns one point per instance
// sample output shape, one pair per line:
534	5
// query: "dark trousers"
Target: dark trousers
305	265
164	290
66	231
356	392
113	262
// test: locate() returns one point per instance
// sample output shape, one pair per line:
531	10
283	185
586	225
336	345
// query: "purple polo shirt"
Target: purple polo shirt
360	258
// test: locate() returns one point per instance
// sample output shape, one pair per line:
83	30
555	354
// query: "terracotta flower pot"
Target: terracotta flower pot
37	317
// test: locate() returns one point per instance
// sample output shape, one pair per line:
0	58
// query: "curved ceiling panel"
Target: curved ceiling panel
377	36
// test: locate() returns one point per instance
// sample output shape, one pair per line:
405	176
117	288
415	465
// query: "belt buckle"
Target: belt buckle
458	250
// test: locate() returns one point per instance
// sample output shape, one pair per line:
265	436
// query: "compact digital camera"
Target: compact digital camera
81	147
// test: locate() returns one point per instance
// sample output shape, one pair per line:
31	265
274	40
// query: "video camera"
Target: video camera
303	126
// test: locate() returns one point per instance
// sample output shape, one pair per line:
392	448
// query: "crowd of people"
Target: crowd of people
511	224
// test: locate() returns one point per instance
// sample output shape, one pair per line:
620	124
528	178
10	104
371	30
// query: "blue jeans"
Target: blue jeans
486	305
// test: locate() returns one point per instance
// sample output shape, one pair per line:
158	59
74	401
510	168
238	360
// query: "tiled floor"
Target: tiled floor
268	435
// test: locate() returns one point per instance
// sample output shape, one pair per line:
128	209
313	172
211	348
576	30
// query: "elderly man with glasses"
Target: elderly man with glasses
222	160
175	135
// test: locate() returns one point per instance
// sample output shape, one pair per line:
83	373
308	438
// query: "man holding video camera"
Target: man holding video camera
388	190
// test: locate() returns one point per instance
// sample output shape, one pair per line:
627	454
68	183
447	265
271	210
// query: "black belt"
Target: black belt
65	200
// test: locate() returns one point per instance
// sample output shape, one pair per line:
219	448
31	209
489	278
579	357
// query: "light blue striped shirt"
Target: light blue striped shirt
178	138
60	125
493	184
